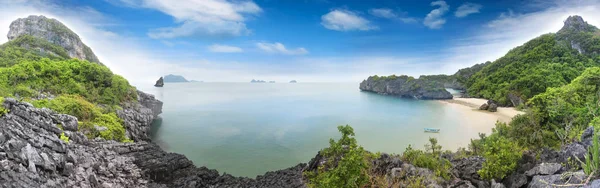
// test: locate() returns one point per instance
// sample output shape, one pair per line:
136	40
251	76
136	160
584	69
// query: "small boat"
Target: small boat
432	130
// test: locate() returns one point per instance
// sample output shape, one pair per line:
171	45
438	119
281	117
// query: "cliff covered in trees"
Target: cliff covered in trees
405	86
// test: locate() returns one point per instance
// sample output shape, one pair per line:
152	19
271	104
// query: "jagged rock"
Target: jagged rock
586	136
138	116
160	82
53	31
462	184
497	185
405	86
493	107
515	180
484	106
466	169
544	169
429	178
386	163
68	122
557	179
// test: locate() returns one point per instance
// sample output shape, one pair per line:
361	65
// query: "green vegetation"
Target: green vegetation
64	138
592	158
89	116
28	48
501	155
347	163
529	69
431	158
96	83
2	109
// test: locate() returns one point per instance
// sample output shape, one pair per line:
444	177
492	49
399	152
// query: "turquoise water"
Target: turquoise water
247	129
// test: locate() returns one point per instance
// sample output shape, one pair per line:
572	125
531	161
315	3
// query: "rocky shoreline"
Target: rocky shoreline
33	155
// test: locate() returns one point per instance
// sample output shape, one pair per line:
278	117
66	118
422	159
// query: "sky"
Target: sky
304	40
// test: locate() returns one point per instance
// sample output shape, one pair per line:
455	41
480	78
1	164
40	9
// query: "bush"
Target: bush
88	114
347	163
95	83
592	158
501	156
2	109
430	159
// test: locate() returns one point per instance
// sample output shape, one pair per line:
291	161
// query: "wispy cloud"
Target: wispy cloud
278	48
221	18
390	14
467	8
224	48
345	20
435	19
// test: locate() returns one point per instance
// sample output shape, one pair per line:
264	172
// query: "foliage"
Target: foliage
430	158
501	156
592	158
530	69
89	115
64	138
2	109
30	48
96	83
347	163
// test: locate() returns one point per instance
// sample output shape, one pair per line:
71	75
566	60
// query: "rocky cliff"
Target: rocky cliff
54	32
405	86
33	155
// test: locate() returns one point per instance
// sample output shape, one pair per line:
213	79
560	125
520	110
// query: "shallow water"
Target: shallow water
247	129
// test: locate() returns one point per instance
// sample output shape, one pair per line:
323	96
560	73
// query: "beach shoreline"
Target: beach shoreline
471	106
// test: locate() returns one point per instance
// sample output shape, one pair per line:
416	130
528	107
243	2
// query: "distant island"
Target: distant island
257	81
271	81
293	81
174	78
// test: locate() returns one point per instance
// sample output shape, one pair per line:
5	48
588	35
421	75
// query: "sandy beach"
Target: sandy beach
504	114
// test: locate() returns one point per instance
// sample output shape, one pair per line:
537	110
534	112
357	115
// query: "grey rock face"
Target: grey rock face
53	31
32	155
467	168
544	169
515	99
404	86
160	82
557	179
137	117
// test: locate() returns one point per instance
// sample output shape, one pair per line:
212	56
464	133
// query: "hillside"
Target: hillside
551	60
405	86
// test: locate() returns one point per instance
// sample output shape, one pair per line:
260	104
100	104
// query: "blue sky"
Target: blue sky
305	40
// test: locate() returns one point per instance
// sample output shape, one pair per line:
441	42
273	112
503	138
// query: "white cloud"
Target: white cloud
467	8
435	19
345	20
224	48
390	14
280	48
221	18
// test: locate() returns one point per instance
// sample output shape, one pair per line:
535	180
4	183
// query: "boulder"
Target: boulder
544	181
544	169
484	106
493	107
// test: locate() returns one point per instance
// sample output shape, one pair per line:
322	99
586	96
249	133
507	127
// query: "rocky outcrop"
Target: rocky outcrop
137	116
159	82
33	155
490	105
174	78
405	86
54	32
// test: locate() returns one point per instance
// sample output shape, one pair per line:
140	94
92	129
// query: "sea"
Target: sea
247	129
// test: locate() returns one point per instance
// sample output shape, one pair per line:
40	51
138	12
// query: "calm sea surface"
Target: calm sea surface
247	129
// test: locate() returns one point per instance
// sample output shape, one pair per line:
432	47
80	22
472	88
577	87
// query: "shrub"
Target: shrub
592	158
347	163
501	156
89	116
2	109
95	83
430	159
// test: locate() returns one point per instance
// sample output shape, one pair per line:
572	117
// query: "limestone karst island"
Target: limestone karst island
299	94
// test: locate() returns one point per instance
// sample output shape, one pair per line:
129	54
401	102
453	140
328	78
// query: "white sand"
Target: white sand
504	114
